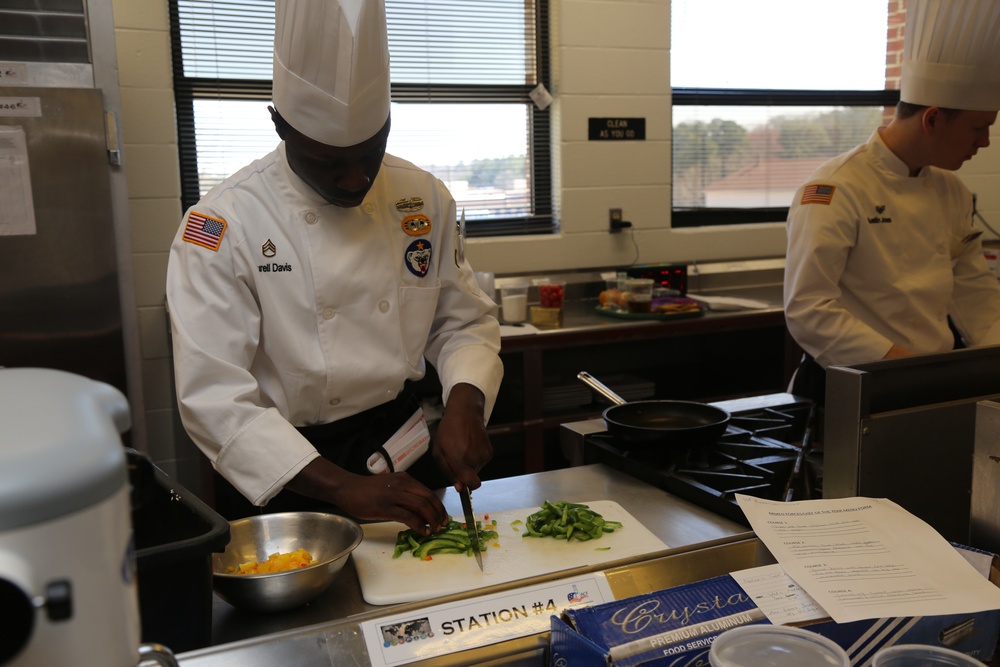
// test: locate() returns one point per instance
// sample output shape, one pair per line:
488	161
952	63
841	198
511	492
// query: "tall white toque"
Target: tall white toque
331	68
951	54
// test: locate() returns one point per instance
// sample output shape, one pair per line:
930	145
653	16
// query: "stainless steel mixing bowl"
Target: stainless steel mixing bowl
328	538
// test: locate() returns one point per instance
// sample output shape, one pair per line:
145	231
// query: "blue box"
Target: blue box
677	626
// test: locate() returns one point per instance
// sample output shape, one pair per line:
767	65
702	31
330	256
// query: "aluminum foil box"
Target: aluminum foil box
675	627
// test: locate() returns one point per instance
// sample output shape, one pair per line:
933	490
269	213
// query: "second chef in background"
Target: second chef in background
881	247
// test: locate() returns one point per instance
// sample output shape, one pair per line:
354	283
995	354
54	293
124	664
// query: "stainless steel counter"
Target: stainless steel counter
580	315
328	632
678	523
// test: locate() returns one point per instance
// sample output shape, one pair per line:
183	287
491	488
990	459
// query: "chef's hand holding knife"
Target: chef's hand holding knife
461	448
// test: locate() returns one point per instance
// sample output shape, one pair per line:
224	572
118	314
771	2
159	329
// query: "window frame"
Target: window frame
538	141
712	217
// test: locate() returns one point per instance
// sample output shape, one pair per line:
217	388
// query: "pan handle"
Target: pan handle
600	387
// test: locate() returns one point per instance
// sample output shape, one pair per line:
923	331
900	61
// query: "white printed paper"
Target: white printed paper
777	595
17	210
864	558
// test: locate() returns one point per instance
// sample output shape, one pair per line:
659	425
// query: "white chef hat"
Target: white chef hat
331	68
951	54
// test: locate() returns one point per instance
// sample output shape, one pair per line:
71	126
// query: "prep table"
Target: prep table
328	633
244	638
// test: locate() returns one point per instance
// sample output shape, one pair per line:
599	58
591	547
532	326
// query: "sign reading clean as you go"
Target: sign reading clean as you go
617	129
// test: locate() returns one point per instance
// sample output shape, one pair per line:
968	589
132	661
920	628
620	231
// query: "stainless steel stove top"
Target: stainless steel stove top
767	451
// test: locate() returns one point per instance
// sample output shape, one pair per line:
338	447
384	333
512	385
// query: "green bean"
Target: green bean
566	521
451	539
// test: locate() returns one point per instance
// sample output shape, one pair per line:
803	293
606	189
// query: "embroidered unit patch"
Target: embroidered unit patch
417	224
818	194
204	230
418	257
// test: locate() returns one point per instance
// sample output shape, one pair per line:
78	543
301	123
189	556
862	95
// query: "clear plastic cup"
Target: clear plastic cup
514	302
922	655
639	295
775	646
548	314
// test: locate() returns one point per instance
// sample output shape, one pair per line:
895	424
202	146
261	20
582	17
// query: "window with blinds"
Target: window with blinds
461	72
765	92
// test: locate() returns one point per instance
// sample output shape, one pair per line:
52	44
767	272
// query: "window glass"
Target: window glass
756	157
480	152
450	41
231	39
790	44
231	134
461	76
792	84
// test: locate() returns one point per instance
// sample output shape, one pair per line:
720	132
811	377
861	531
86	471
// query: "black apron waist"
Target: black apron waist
386	417
347	442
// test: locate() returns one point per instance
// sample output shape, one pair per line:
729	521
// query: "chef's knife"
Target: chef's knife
470	525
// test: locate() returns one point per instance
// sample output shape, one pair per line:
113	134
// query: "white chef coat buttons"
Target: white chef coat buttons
311	218
383	306
334	401
328	313
369	207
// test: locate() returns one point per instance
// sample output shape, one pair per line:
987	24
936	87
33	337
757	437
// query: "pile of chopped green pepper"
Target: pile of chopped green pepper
452	539
567	521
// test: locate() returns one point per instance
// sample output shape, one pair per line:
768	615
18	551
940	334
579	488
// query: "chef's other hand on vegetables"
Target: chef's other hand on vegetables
388	497
461	446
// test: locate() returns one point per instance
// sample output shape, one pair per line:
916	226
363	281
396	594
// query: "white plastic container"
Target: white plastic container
775	646
921	655
514	302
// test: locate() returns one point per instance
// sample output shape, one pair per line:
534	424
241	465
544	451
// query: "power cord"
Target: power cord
631	235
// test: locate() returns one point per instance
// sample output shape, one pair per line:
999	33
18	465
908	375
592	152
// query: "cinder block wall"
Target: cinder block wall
610	59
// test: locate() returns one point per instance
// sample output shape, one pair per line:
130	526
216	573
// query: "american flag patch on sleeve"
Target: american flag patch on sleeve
818	194
204	230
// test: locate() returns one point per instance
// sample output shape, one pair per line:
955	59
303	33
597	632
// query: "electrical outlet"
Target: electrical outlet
616	223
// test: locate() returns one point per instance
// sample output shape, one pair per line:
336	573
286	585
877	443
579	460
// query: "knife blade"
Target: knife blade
470	525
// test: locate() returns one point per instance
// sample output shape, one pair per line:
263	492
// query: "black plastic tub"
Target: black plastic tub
175	536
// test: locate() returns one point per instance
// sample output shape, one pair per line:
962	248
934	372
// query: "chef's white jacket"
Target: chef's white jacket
883	258
300	313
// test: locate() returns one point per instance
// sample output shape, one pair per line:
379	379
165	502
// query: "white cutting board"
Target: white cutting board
385	580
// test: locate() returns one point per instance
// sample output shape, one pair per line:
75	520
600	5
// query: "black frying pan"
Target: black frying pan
663	422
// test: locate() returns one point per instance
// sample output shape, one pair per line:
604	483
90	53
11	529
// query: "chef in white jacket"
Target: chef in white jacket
881	247
310	289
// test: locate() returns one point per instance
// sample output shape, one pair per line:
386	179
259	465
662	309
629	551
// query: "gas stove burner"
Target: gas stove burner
767	453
